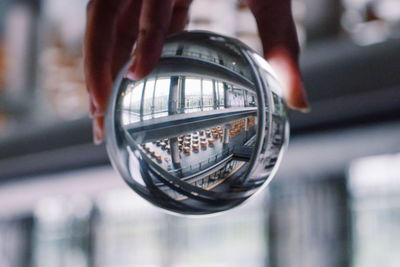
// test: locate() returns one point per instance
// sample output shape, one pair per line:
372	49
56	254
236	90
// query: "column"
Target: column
173	96
226	138
142	99
226	95
182	101
215	99
172	110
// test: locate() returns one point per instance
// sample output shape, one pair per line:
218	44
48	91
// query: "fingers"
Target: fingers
180	16
97	123
112	28
98	53
127	29
98	50
153	27
280	44
289	75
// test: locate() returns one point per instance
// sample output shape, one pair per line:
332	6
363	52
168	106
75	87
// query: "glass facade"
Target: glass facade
208	94
161	94
132	103
151	98
193	90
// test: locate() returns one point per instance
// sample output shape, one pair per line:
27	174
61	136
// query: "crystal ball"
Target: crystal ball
204	131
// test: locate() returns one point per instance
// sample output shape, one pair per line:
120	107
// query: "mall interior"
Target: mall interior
334	201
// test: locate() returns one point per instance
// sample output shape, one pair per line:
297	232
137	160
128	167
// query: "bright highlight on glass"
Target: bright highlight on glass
204	131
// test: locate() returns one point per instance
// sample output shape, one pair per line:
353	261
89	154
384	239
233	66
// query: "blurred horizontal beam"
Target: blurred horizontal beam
328	154
34	138
52	161
342	68
345	82
349	83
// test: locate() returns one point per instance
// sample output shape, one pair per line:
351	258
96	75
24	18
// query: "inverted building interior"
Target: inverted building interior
193	128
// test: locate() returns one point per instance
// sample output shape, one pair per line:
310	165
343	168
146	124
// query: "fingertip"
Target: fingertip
297	100
142	65
305	110
289	75
296	97
98	130
147	53
132	71
137	71
99	90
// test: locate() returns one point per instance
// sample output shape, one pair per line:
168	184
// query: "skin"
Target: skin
115	28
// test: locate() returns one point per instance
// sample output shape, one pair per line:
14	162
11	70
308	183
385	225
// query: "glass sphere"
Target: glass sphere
204	131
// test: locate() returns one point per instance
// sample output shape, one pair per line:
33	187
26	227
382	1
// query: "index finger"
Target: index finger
98	50
154	22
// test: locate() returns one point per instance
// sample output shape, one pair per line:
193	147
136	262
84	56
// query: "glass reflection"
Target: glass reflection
160	97
220	147
203	131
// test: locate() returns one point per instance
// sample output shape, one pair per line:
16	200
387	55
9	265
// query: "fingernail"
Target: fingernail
98	137
305	110
134	50
131	74
304	105
301	108
300	104
132	69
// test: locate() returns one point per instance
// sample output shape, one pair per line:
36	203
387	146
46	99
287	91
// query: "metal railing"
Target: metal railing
198	55
202	165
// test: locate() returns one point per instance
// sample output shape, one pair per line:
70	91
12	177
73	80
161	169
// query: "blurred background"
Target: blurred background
334	202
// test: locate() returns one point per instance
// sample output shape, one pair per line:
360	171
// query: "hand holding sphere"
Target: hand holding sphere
112	29
204	131
114	26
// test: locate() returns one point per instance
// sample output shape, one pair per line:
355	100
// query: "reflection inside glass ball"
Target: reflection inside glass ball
203	131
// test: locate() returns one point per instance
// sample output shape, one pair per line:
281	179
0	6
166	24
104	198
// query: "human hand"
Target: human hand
281	47
113	26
